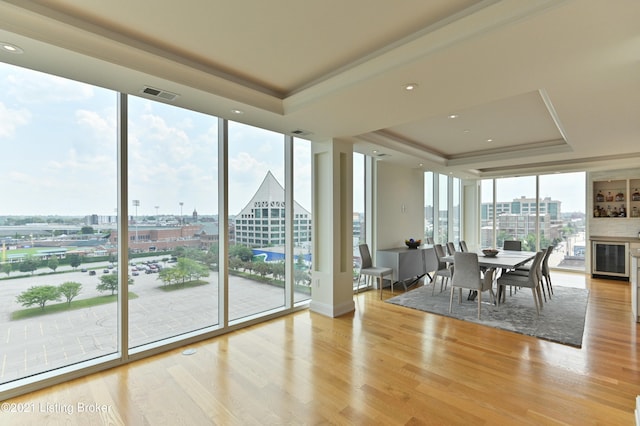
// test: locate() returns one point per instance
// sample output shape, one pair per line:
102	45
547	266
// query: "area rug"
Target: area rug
561	320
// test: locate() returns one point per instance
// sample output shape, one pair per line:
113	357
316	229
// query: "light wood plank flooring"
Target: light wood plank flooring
382	364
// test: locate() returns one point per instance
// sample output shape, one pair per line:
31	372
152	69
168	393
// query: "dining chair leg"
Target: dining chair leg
451	300
549	287
479	302
380	284
540	297
535	300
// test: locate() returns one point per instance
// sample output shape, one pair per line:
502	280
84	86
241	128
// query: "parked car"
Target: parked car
83	270
92	272
105	271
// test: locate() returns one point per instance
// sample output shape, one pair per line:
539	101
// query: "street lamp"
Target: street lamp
157	219
136	204
181	220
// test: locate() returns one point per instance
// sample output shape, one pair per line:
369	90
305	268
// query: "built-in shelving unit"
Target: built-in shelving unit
634	198
619	198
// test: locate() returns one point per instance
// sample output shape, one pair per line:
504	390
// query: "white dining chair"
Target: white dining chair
368	270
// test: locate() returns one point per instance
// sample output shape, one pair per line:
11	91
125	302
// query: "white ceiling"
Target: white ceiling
554	84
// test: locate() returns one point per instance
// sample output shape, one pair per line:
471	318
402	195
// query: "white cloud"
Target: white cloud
11	119
32	87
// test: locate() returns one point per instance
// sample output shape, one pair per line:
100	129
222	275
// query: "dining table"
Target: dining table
505	260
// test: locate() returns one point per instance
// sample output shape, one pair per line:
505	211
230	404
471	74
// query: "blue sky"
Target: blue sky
59	142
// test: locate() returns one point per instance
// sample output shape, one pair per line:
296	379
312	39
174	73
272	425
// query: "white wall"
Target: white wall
399	205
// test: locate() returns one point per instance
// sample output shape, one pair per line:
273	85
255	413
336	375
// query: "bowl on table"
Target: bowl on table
490	252
413	244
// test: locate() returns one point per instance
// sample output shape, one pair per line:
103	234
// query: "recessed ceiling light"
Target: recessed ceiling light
420	164
375	151
489	140
453	115
11	48
410	86
466	131
237	111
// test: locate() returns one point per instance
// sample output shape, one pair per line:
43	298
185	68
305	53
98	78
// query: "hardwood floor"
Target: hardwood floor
382	364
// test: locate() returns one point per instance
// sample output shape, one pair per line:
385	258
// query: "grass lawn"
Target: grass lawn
180	286
61	307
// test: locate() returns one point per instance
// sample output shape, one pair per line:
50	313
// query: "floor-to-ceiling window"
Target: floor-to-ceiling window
456	220
429	202
540	211
442	209
65	145
359	226
303	222
59	194
487	216
563	205
173	221
257	216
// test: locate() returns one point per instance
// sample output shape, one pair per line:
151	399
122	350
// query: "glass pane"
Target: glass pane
487	236
359	227
516	212
455	237
428	206
173	221
257	247
59	192
562	218
302	235
443	210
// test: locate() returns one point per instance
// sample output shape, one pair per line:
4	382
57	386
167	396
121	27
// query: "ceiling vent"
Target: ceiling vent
157	93
300	132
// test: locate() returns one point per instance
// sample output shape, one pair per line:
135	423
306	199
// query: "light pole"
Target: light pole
181	220
157	219
136	204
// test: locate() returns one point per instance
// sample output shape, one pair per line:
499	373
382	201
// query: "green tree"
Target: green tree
69	290
87	230
38	295
300	262
278	270
53	263
7	268
243	252
262	268
190	269
235	263
301	276
29	264
109	282
74	260
170	276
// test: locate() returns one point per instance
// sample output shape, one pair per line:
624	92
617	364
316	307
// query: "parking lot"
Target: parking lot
37	344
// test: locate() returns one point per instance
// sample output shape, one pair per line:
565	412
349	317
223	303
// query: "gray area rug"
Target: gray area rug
561	320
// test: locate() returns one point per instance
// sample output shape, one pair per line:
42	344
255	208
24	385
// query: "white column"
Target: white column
332	278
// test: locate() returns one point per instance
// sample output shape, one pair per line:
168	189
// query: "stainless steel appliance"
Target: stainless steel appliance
610	260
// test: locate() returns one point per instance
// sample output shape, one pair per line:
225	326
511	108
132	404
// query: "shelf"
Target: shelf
610	197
